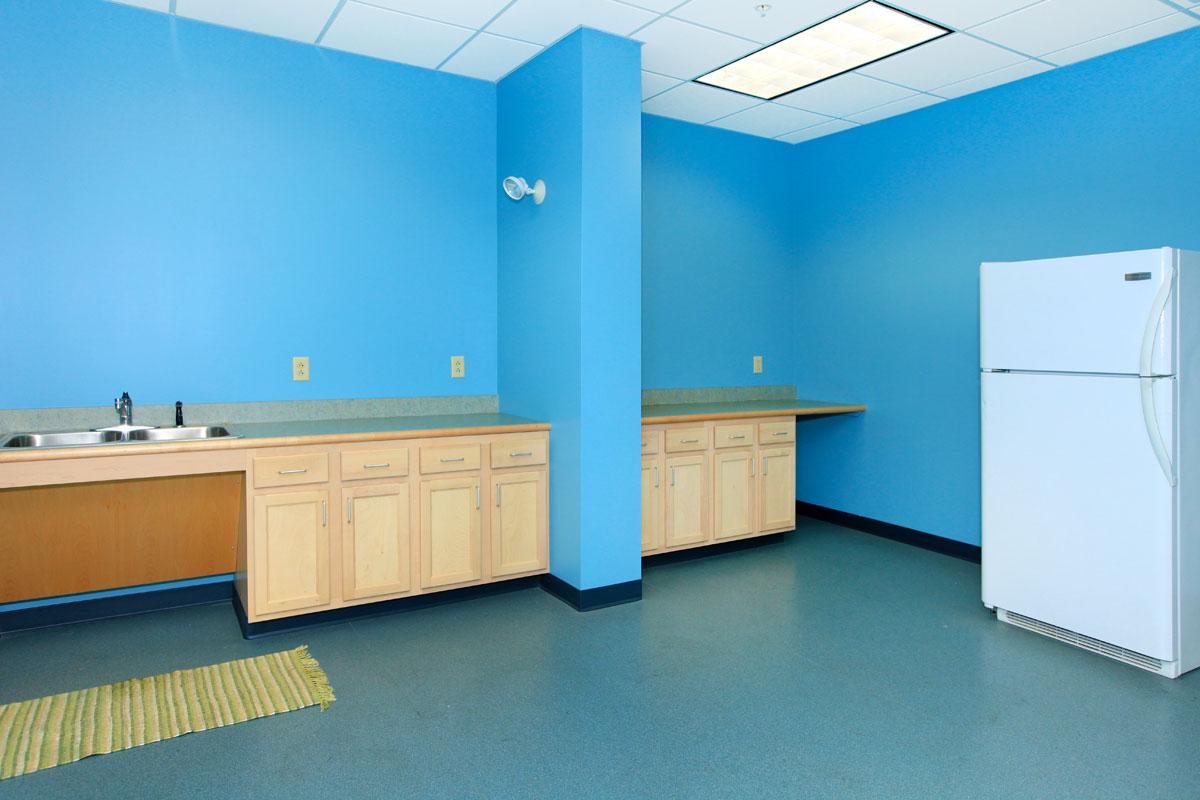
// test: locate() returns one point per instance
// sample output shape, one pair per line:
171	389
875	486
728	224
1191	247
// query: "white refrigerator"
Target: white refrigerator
1090	390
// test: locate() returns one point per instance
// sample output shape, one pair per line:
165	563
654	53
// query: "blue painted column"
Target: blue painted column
570	298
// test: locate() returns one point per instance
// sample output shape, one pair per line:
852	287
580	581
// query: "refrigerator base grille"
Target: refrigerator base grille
1140	660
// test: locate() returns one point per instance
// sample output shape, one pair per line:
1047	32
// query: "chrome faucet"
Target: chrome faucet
124	407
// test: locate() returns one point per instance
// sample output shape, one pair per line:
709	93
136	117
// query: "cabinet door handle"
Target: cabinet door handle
477	495
689	441
520	454
752	468
766	467
452	460
293	471
739	436
781	433
376	466
324	513
656	476
349	511
672	476
498	488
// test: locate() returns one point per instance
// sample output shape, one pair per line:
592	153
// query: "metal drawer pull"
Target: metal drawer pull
349	511
452	460
739	436
672	476
498	488
766	466
689	441
293	471
376	466
655	476
781	433
520	453
477	495
324	513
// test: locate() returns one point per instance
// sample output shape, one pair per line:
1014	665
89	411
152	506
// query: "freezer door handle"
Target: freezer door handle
1153	322
1150	415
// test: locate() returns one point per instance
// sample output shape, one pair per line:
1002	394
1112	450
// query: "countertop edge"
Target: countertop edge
64	453
806	411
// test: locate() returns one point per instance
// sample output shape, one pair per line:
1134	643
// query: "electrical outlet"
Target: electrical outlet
458	367
300	368
758	365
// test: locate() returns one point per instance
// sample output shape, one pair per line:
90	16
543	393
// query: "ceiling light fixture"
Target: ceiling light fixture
861	35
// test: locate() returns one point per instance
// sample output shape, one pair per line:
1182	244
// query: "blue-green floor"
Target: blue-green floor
833	664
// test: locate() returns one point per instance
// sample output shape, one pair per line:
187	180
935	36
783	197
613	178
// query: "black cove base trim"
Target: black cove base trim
898	533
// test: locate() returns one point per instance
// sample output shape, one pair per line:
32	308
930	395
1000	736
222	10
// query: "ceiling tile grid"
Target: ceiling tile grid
993	42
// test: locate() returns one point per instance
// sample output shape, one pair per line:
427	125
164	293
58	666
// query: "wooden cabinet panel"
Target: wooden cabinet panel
777	489
524	453
291	556
519	524
449	458
653	520
376	529
294	469
770	433
687	500
734	494
733	436
684	440
651	442
450	531
365	464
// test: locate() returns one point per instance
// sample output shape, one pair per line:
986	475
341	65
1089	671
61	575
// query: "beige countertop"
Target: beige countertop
743	409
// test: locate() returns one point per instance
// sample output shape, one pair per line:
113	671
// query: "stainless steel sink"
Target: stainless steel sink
181	434
71	439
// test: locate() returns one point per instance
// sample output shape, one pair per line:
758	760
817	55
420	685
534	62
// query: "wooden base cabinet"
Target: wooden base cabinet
328	527
720	481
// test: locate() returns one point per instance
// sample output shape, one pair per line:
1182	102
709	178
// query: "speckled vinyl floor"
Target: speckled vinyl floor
831	665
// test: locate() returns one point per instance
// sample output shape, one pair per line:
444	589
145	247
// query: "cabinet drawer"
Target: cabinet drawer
650	442
290	470
360	464
449	458
776	432
735	435
682	440
518	454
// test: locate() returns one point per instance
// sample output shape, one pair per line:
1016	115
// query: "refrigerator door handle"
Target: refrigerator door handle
1153	322
1150	415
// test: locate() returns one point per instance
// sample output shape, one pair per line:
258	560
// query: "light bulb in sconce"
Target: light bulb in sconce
517	189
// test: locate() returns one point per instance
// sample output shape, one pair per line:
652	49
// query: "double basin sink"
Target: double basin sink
93	438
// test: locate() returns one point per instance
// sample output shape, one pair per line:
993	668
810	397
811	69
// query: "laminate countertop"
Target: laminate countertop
743	409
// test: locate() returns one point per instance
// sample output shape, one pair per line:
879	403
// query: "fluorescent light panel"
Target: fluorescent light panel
858	36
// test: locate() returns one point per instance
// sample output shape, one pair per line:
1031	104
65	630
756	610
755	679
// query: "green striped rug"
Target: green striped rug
61	728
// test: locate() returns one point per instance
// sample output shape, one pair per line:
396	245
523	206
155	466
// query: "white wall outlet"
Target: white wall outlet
758	365
300	368
458	367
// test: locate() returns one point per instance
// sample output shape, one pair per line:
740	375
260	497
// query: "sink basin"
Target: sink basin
181	434
72	439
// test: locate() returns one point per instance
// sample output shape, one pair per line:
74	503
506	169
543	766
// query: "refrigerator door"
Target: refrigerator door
1106	313
1078	516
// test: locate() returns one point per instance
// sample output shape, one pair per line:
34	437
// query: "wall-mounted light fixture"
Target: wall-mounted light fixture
517	189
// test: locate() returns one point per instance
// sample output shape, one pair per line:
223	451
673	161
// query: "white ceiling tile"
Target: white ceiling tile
683	50
990	79
844	95
661	6
468	13
696	103
770	119
893	109
785	17
817	131
291	19
653	83
376	32
547	21
962	14
1056	24
490	57
943	61
153	5
1163	26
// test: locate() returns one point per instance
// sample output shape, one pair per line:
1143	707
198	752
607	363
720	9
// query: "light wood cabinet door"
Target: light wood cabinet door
777	489
652	505
291	551
687	500
519	524
450	531
376	543
734	491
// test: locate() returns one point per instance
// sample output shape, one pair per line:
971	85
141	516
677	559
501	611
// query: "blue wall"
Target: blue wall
894	219
569	289
211	202
718	256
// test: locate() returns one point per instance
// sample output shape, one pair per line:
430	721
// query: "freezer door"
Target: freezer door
1077	512
1084	314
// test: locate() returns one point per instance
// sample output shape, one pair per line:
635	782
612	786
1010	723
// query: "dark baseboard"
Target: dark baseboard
89	609
592	599
720	548
926	541
253	630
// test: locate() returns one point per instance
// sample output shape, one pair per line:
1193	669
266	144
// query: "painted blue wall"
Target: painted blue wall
718	256
894	220
184	207
569	292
